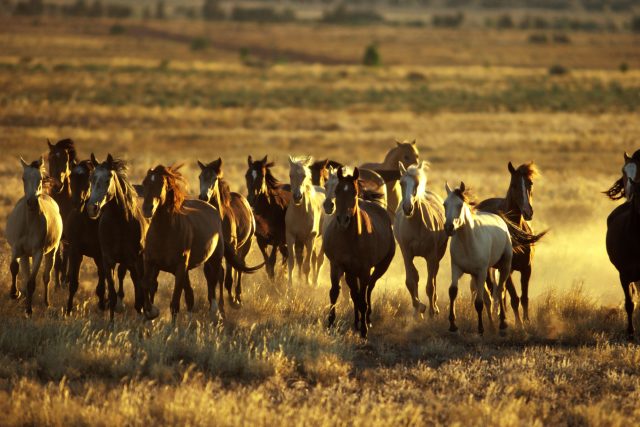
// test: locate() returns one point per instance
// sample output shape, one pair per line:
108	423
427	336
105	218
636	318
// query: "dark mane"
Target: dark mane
225	192
272	182
176	185
68	145
84	164
121	170
530	170
466	196
616	191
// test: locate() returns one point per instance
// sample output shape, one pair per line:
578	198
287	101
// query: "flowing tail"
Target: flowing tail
521	238
231	255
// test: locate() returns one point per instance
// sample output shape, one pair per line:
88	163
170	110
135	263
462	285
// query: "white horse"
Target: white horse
419	230
34	229
304	221
479	241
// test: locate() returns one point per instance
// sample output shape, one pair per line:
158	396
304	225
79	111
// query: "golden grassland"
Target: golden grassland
150	99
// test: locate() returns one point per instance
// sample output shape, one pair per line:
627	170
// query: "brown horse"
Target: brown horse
183	234
517	208
356	240
269	199
630	170
62	159
121	226
623	246
238	223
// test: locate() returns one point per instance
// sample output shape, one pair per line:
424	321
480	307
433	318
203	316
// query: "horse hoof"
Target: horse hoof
119	308
453	329
102	306
152	313
235	304
418	315
16	296
422	308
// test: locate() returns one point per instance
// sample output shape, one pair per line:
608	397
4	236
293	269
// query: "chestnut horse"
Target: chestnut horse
269	199
34	229
358	239
238	222
183	234
516	207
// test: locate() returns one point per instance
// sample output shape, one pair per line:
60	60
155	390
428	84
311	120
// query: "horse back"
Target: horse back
494	205
623	242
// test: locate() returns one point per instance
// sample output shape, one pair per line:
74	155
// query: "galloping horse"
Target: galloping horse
183	234
121	226
34	229
358	239
62	159
419	230
269	200
238	222
623	245
517	208
404	152
630	170
304	220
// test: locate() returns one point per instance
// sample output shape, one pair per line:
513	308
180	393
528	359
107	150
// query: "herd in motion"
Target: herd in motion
353	216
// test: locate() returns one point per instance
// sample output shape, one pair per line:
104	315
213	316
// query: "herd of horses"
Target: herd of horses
353	216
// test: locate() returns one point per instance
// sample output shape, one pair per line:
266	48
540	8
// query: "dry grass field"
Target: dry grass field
473	100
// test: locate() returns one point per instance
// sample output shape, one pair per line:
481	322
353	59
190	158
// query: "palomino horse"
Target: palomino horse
83	237
369	181
516	207
623	245
183	234
419	230
34	229
269	200
404	152
62	159
121	226
238	223
631	169
357	240
330	193
304	220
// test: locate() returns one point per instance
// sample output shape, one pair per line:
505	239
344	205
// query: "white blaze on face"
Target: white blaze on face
630	170
254	174
32	182
409	185
346	187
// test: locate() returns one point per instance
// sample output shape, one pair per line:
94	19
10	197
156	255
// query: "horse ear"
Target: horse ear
356	173
447	188
93	160
40	162
626	157
49	144
264	160
23	163
413	142
202	166
340	173
249	161
403	170
109	158
398	143
511	168
462	186
325	163
308	161
219	161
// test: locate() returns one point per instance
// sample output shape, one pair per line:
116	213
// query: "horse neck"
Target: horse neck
119	201
467	230
511	209
216	201
307	198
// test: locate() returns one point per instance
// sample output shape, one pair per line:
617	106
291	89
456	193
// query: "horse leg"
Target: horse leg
180	273
65	264
291	259
515	300
377	273
122	272
352	281
14	293
306	263
477	283
75	259
432	274
57	268
364	296
212	272
628	305
319	262
25	269
299	248
499	292
100	287
31	284
263	246
411	281
244	251
453	294
109	269
46	275
525	276
188	295
228	284
334	292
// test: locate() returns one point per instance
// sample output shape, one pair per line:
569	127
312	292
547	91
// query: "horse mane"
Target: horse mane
121	169
86	165
47	182
530	170
224	192
68	145
272	182
467	197
176	185
616	191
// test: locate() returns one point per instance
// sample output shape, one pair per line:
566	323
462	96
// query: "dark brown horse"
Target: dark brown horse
83	238
517	207
121	226
62	159
623	246
183	234
631	169
238	223
357	239
269	200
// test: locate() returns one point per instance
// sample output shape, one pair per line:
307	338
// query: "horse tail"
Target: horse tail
616	191
521	238
231	256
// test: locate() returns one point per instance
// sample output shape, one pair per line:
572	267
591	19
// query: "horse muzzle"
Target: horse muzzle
32	202
296	198
329	207
528	215
343	220
407	209
449	229
203	197
148	210
93	210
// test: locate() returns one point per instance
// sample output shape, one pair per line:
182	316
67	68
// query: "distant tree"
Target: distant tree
212	11
29	7
635	24
371	56
96	10
160	10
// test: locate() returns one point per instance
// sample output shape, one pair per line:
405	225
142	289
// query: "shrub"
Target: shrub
342	15
116	29
623	67
212	11
261	14
558	70
561	38
538	38
504	21
450	21
200	43
635	24
371	56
